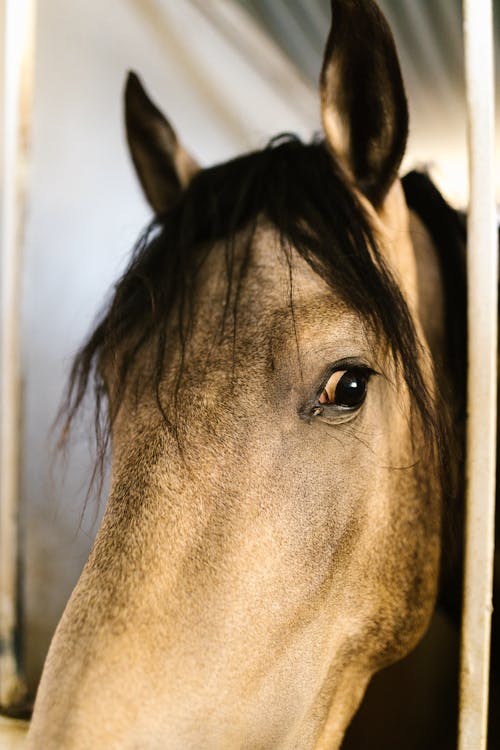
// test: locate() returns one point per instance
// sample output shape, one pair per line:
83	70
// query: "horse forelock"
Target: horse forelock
300	192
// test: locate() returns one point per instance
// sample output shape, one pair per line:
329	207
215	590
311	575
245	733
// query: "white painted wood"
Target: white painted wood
17	28
482	348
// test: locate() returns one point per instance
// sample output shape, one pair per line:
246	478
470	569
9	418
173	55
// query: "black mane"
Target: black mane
448	231
302	192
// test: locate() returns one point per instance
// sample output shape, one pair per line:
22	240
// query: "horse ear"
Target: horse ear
363	102
164	168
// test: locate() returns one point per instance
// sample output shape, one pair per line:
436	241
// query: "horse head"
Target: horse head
271	365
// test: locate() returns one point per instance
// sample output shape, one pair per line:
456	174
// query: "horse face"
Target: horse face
272	533
255	569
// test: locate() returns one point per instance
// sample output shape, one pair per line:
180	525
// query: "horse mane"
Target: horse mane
447	228
302	192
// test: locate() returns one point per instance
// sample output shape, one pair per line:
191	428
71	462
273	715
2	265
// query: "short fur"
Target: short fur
264	551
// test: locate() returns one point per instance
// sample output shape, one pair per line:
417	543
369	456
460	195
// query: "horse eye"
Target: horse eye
345	388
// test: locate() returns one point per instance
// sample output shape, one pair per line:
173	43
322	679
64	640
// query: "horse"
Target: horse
278	379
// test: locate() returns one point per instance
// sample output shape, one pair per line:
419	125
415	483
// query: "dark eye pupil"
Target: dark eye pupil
351	389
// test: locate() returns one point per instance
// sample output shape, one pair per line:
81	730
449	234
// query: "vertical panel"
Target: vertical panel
17	27
482	255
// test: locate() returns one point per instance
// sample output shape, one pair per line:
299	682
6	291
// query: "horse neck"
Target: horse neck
438	234
431	297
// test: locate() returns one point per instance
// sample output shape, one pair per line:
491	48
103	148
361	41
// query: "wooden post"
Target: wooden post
482	262
17	44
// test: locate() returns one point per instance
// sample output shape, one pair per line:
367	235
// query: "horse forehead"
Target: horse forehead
278	295
278	270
